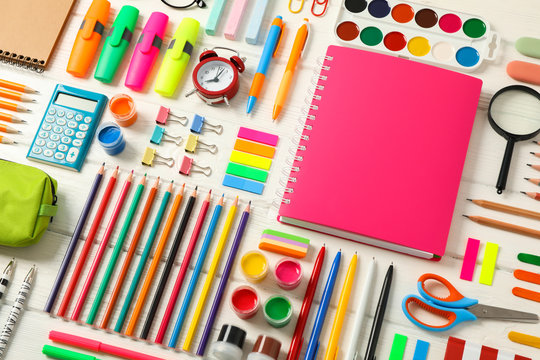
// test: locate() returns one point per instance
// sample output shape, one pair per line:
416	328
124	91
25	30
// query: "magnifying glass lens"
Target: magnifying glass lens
516	112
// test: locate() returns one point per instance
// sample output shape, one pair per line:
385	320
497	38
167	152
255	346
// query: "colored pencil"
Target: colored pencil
535	167
224	279
87	245
13	107
149	278
210	277
197	271
504	226
506	209
10	118
101	249
534	181
129	256
57	284
532	195
184	266
297	339
116	252
172	255
142	261
17	87
5	140
6	277
8	94
8	129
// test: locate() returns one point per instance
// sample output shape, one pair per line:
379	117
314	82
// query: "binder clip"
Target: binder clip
199	124
187	167
151	157
165	114
160	135
193	143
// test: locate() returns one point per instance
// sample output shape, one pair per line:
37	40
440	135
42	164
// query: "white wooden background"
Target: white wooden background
512	19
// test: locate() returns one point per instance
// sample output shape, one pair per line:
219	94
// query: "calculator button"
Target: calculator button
88	119
37	150
78	117
62	147
66	140
49	119
61	122
48	152
59	156
80	135
69	132
52	111
61	113
83	127
55	137
47	127
77	142
51	145
43	134
72	155
69	115
58	129
40	142
72	124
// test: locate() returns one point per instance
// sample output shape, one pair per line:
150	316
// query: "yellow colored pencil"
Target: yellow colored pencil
210	277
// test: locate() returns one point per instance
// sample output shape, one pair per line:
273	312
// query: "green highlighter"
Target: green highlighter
116	43
63	354
177	57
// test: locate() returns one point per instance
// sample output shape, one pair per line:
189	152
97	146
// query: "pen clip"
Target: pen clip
306	22
88	27
178	48
282	28
336	352
355	357
118	34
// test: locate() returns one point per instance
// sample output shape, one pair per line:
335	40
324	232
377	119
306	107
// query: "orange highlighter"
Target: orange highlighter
88	38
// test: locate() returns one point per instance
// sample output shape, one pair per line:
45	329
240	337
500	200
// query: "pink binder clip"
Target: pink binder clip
188	166
146	51
165	114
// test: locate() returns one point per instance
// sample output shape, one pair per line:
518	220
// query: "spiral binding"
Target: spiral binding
22	61
306	123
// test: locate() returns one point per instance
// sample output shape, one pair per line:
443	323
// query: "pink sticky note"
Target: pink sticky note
258	136
469	260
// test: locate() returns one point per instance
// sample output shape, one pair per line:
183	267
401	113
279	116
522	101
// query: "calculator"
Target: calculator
68	127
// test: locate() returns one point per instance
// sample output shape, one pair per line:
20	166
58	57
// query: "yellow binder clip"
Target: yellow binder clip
151	157
193	143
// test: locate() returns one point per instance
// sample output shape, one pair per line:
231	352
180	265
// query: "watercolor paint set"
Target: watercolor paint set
436	36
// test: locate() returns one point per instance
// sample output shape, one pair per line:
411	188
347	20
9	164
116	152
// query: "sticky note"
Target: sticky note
488	265
254	148
524	339
247	172
529	259
469	260
243	184
258	136
421	350
398	347
526	294
285	244
250	160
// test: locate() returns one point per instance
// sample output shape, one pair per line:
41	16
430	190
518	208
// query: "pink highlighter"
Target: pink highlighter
146	51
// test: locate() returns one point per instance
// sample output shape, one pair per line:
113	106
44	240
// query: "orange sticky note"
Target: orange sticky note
254	148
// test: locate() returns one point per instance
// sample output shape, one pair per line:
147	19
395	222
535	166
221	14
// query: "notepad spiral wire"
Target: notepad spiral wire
22	61
306	123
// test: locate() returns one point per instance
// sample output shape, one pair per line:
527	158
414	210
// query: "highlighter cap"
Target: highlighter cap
156	24
99	10
127	17
268	346
59	353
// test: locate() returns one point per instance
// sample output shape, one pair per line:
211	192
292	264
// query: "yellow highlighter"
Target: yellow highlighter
177	57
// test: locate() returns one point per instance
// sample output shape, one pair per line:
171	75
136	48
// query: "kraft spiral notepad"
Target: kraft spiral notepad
29	30
382	152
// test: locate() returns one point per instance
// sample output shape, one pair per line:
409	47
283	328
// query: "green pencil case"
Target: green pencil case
27	203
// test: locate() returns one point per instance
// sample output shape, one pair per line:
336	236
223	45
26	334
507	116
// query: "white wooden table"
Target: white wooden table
512	19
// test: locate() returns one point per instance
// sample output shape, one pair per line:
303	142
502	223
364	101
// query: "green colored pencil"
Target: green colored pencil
116	252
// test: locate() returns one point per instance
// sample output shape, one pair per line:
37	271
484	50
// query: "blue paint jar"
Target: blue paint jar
111	138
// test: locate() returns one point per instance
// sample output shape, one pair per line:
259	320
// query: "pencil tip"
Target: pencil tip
132	171
117	167
144	174
531	152
172	181
34	100
103	164
223	195
529	165
210	191
196	187
467	216
469	199
523	192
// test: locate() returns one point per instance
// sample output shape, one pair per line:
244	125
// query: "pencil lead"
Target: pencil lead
172	181
117	167
249	202
196	187
534	141
531	152
210	191
529	165
132	171
469	199
467	216
33	100
144	174
527	179
103	164
223	195
523	192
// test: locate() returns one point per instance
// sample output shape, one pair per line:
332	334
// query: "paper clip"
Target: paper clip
199	124
160	135
151	156
299	9
322	3
193	143
165	114
187	167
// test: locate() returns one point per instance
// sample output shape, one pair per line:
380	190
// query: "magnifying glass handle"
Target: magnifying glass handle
505	166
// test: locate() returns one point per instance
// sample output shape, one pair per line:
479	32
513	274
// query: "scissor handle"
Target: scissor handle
454	316
454	300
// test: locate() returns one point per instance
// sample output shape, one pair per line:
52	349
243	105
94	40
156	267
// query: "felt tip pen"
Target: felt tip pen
270	48
116	43
64	354
177	57
146	51
88	38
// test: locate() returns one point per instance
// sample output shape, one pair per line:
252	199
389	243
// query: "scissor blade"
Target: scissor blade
497	313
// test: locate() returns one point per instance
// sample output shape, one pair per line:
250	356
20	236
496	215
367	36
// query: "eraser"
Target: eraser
524	71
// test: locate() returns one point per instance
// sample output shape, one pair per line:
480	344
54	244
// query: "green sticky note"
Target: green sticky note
488	264
247	172
529	46
398	347
286	236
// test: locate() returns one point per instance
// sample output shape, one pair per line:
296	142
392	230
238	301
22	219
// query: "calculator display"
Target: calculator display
76	102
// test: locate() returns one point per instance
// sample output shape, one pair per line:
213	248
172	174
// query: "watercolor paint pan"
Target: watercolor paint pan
445	38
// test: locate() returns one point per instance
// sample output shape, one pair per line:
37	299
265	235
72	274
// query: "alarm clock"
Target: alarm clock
216	78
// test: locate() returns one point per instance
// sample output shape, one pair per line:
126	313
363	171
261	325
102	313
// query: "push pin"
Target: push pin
187	167
193	143
165	114
160	135
151	157
199	124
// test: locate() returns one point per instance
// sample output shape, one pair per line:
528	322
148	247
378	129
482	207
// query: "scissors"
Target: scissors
455	307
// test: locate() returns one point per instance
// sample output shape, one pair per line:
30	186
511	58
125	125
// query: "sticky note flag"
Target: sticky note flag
488	265
421	350
398	347
469	260
458	349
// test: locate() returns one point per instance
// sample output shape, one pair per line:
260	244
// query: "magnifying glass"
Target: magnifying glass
514	113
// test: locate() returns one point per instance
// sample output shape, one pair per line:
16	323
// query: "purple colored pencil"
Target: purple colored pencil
74	240
223	283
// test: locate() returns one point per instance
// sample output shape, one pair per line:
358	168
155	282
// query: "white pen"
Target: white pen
6	277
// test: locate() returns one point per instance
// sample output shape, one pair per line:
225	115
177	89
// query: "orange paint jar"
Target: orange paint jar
123	109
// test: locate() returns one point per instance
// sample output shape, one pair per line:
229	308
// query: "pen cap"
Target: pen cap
59	353
233	335
265	345
99	10
74	340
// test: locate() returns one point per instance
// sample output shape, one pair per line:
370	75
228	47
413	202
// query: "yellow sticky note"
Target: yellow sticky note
488	264
250	160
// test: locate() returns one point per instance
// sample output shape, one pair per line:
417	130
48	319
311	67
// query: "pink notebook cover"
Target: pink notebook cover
384	157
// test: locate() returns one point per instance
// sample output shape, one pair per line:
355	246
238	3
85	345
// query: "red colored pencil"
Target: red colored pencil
102	247
185	264
298	340
87	245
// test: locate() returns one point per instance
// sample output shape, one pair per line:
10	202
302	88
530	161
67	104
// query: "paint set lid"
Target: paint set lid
268	346
232	335
110	137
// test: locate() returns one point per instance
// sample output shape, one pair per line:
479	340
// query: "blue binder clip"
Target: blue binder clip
199	124
160	135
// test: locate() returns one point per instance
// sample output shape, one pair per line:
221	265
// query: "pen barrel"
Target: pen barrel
284	87
256	85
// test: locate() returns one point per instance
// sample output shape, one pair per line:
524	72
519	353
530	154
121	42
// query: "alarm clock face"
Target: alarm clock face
215	75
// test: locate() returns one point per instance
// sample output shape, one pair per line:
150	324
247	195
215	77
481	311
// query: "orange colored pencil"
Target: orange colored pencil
5	140
10	118
13	95
12	106
17	87
155	262
129	256
8	129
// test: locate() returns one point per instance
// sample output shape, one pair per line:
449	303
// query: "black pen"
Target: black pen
379	315
6	277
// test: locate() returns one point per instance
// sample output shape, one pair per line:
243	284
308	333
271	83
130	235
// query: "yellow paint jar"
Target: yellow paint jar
254	266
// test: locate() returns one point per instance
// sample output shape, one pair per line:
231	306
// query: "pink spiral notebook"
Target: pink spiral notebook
381	157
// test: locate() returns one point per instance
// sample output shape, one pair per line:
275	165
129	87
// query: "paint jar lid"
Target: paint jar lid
123	109
110	138
254	266
245	302
232	335
288	273
268	346
278	311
